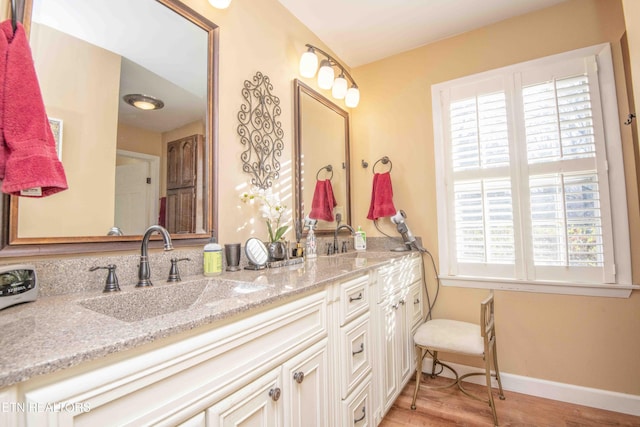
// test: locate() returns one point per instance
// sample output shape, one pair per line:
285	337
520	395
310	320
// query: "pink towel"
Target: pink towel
323	201
381	197
30	159
4	151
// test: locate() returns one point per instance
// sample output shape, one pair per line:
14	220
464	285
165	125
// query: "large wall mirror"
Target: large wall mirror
321	141
127	168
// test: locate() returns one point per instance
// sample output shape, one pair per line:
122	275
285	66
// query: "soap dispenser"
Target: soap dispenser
360	240
212	258
310	249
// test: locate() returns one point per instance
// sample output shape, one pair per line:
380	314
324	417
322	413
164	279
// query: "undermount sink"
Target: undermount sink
144	303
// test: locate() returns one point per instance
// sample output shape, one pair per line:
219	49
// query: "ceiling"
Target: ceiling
364	31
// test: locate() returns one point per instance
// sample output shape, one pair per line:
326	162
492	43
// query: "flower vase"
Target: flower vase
277	251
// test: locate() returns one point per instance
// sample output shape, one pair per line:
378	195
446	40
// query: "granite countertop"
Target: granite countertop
58	332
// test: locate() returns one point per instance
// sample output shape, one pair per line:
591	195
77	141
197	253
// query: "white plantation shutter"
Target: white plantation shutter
524	181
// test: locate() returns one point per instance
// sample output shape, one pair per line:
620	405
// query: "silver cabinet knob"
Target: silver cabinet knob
298	376
274	393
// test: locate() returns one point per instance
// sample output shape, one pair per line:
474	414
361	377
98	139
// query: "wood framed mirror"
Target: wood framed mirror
321	140
88	55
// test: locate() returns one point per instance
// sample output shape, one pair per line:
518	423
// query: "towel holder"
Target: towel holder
384	161
14	19
328	168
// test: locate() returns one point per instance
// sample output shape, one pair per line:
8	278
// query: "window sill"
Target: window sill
585	289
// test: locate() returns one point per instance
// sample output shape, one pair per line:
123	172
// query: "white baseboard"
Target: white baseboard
593	397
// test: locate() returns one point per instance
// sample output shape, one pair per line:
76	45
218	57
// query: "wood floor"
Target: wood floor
447	407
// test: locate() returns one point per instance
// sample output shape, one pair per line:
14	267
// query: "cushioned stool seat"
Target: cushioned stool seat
469	339
451	336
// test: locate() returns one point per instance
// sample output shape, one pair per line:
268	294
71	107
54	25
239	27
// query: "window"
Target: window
526	156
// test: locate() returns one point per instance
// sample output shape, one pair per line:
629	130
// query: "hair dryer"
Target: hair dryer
403	229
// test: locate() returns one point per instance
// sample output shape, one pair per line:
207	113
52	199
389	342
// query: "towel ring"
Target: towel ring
14	19
328	168
384	161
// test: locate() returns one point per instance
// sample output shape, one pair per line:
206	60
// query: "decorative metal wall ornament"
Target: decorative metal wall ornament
260	131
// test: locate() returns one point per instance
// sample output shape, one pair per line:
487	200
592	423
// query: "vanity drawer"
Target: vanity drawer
415	303
355	354
354	299
357	410
397	275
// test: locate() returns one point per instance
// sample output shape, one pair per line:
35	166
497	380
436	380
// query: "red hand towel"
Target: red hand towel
32	160
381	197
323	201
4	47
331	199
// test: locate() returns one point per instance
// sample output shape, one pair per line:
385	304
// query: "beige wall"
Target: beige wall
586	341
139	140
88	139
254	36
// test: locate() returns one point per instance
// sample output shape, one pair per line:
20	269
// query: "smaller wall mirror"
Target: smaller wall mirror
321	140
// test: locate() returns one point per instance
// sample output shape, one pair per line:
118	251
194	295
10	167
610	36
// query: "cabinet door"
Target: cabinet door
405	344
182	166
398	347
306	390
257	404
180	210
415	305
390	362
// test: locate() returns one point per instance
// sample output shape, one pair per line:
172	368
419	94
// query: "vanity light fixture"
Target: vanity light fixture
143	102
220	4
326	76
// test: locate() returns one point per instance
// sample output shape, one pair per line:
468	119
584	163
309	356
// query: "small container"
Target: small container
310	249
360	240
212	258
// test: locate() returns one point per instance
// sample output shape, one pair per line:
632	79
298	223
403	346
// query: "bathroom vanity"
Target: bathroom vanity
324	343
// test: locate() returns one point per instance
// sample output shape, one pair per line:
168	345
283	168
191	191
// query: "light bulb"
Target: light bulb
339	89
220	4
308	63
325	75
353	97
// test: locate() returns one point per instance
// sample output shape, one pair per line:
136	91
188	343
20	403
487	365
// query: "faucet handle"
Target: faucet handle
174	274
111	284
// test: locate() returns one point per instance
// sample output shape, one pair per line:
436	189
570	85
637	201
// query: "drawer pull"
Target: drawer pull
395	306
298	377
353	353
364	415
417	301
358	298
274	393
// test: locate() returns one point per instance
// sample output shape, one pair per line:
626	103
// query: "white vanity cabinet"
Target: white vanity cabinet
295	394
336	357
232	370
397	313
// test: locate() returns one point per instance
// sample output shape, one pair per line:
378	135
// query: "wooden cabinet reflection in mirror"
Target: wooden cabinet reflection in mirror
184	185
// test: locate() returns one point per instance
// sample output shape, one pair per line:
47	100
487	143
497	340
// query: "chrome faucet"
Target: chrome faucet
144	272
335	235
